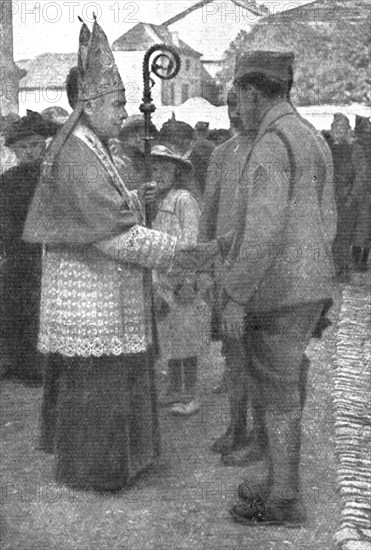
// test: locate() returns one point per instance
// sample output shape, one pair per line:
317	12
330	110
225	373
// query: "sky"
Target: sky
41	26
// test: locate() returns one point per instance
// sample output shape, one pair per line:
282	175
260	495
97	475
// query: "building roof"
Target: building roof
249	5
317	11
144	35
48	70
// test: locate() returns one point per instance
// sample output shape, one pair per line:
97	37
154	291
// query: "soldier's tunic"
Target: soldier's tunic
99	409
285	228
20	276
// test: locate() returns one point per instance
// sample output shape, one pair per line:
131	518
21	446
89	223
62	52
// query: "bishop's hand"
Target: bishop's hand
147	192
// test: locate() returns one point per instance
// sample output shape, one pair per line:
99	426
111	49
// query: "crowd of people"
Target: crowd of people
261	211
351	153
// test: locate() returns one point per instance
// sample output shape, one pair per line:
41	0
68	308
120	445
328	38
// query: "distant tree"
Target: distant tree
332	57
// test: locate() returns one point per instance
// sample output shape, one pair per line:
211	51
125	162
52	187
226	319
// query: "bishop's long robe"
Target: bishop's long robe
99	409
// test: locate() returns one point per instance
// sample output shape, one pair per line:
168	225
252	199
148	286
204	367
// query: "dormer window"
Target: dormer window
187	64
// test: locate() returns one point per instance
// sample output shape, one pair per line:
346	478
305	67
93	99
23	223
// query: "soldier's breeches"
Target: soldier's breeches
278	366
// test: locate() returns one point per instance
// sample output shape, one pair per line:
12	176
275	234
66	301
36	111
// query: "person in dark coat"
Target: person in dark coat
362	237
349	184
200	154
21	268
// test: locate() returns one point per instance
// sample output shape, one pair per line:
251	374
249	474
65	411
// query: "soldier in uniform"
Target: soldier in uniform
99	413
277	274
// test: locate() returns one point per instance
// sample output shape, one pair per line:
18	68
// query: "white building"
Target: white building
45	82
129	51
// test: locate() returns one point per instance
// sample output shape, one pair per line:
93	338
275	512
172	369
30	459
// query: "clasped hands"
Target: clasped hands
191	259
147	192
195	258
201	257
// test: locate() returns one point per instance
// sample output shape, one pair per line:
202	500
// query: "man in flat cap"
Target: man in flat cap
277	274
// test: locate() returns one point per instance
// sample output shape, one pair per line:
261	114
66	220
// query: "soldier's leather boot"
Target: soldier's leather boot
256	512
276	500
284	434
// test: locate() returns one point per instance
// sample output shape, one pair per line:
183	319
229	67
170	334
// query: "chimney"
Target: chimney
175	38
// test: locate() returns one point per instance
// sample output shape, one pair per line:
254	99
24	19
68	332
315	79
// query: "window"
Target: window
185	92
187	64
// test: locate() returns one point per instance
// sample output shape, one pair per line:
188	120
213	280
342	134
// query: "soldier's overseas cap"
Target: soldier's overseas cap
275	65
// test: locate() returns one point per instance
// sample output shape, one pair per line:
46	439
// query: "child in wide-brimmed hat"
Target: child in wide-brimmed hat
177	302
